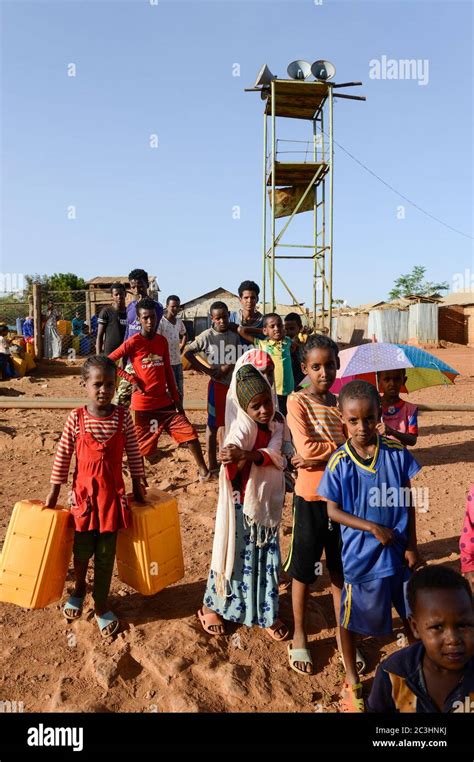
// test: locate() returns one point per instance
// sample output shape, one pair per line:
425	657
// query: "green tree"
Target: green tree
414	283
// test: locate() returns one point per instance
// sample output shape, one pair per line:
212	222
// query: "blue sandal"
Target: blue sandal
104	621
75	604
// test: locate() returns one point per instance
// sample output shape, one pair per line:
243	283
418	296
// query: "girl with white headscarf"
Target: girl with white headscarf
243	582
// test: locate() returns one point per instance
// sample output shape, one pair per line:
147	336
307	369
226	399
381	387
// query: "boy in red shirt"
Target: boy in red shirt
399	417
155	399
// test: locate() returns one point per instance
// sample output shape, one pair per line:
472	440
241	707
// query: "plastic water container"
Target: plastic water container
36	555
149	552
64	327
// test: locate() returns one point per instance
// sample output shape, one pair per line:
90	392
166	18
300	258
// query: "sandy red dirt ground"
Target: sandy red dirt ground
162	660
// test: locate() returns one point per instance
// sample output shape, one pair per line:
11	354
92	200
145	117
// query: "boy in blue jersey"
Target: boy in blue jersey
367	487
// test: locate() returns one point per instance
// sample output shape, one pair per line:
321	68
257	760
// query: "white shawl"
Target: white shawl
264	493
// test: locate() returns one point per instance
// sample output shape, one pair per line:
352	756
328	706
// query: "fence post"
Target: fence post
38	337
88	308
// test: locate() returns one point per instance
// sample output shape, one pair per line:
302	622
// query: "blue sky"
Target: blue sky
83	141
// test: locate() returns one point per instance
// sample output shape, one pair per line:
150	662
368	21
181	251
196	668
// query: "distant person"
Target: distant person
280	348
139	284
466	541
248	316
435	674
367	487
77	324
222	348
52	340
28	329
399	417
7	368
155	399
112	322
172	328
294	330
98	434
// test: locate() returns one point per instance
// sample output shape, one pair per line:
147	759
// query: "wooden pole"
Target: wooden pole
38	331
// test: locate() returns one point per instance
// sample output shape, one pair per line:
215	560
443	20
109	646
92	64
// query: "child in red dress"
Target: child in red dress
98	434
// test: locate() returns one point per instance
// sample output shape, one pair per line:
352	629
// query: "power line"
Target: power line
441	222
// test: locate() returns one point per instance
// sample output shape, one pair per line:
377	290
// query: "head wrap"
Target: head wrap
249	383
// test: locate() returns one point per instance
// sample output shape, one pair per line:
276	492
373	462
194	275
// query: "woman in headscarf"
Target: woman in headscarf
52	339
243	581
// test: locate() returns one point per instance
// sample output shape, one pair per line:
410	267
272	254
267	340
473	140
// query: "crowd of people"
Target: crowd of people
273	427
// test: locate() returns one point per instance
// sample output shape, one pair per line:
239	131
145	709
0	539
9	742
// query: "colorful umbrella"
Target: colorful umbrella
422	368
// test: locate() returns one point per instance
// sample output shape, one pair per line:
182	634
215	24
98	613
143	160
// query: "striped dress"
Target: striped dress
101	429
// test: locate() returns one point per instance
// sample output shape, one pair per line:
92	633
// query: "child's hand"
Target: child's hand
383	534
470	578
53	495
299	462
136	387
215	372
232	454
382	428
413	559
139	491
180	408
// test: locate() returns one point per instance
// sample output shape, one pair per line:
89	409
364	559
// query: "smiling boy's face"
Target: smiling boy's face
273	328
444	621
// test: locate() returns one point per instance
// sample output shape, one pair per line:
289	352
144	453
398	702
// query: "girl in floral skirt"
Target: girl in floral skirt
243	582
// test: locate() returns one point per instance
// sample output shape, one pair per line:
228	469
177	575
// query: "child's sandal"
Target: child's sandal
351	698
75	604
109	618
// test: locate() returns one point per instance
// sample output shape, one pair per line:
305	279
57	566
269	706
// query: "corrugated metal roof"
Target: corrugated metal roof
459	298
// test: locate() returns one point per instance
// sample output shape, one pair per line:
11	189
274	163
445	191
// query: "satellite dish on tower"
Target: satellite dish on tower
264	77
323	70
299	70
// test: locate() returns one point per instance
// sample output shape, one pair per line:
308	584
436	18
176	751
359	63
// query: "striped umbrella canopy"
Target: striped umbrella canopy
422	369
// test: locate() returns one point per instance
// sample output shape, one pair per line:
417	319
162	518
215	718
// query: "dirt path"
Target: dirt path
162	661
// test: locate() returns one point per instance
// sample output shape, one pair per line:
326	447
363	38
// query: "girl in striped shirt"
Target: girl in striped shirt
98	434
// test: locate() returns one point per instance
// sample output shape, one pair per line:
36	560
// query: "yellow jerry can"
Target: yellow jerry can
149	552
36	554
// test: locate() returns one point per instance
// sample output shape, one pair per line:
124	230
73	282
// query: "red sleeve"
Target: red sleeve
170	379
124	350
65	450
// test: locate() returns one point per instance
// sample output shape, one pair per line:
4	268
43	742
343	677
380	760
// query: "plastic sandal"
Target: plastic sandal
75	604
299	654
103	622
351	698
361	666
210	620
272	631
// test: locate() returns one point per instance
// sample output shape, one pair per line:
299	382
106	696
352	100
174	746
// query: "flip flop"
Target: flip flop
351	698
272	631
75	604
361	666
299	654
104	620
209	620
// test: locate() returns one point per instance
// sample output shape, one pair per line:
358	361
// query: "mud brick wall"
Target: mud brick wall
452	325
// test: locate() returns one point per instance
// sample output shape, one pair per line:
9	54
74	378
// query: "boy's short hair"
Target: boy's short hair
218	306
173	298
435	577
147	303
139	274
3	328
293	316
98	361
402	371
319	341
359	390
248	285
269	316
117	287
